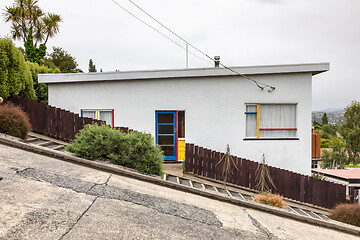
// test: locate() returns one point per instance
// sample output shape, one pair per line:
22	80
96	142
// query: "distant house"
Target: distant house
211	107
348	176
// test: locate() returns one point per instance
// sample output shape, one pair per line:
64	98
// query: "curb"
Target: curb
17	143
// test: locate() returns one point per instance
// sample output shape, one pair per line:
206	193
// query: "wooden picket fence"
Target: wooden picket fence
205	162
52	121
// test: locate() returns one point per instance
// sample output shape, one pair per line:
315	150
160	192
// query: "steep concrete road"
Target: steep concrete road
45	198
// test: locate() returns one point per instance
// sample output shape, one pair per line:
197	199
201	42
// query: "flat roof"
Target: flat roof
347	173
314	68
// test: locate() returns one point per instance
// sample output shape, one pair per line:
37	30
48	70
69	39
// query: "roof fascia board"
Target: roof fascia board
313	68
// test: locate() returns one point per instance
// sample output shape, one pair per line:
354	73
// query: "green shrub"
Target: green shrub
13	121
92	142
325	143
354	164
329	130
134	150
318	175
332	159
347	213
15	75
41	89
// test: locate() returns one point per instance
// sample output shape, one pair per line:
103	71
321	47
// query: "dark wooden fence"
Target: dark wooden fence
205	162
54	122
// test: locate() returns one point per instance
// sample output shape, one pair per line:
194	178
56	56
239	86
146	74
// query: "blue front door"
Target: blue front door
166	133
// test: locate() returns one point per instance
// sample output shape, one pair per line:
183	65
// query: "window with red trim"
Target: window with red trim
271	121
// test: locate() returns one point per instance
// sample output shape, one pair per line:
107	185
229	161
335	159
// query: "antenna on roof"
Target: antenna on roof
217	61
187	55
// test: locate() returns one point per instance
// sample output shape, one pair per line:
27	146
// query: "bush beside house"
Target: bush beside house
13	121
134	150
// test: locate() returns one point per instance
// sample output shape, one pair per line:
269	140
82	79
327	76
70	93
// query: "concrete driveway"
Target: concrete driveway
45	198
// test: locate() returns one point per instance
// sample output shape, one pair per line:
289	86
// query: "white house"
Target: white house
210	107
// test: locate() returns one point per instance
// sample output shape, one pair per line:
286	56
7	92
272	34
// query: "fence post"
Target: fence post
307	189
206	163
352	194
186	162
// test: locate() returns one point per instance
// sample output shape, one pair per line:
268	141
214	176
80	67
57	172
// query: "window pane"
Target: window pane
251	108
106	116
251	121
168	150
278	116
166	140
282	133
166	129
165	118
89	113
181	124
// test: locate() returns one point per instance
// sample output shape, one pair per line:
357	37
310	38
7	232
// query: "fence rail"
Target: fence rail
54	122
205	162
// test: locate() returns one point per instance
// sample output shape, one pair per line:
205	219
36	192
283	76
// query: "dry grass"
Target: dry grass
13	121
346	213
270	199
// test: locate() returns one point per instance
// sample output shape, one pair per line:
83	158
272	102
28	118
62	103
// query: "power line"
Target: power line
232	70
258	84
159	31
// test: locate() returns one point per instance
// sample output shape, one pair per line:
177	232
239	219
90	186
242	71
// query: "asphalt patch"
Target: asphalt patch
162	205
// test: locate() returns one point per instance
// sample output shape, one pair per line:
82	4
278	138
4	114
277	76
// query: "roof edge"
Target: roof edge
314	68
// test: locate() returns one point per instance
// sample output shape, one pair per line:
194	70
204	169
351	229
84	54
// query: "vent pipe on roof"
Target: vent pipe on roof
217	61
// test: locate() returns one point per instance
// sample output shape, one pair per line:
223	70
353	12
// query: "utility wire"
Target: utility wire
230	69
159	32
260	85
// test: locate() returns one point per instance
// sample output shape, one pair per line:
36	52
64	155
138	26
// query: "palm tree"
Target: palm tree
13	14
51	25
22	14
33	11
26	14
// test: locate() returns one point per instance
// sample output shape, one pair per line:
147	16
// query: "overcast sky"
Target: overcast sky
242	32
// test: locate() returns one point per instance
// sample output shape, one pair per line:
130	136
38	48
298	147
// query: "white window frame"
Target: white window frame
98	113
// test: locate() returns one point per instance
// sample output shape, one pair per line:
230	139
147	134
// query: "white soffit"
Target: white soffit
313	68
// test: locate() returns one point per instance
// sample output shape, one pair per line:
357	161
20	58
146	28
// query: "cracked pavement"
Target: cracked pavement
45	198
103	190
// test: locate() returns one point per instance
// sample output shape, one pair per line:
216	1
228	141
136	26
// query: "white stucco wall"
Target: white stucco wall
214	108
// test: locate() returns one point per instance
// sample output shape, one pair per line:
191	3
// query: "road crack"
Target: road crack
97	184
260	227
79	218
161	205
